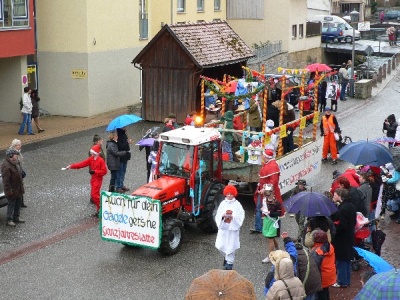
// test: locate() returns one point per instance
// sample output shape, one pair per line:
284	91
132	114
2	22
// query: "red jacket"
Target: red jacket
324	256
351	175
97	165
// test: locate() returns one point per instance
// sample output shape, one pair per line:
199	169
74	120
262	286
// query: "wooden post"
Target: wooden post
283	85
202	100
316	83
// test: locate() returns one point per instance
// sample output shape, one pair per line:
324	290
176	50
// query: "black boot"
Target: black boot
228	266
111	188
22	203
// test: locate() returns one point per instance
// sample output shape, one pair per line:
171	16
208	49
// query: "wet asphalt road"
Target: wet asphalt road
85	267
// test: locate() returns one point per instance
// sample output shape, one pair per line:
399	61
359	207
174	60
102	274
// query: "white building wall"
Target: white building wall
11	71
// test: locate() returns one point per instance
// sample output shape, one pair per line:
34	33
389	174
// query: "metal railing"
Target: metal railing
267	51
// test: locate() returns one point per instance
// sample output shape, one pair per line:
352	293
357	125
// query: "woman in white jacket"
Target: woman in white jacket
26	112
229	219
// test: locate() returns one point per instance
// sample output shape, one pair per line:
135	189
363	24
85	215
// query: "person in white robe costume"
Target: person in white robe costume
229	219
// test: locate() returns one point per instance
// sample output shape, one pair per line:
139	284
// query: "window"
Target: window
14	13
217	5
294	32
200	5
301	31
143	20
181	5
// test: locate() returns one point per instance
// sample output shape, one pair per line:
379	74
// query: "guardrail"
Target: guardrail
266	51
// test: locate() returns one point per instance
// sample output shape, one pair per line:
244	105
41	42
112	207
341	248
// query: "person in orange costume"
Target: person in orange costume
98	170
329	126
269	174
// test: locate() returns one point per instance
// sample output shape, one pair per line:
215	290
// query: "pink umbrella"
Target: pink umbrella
318	67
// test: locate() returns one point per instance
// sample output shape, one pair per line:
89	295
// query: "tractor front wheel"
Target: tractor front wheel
172	235
212	201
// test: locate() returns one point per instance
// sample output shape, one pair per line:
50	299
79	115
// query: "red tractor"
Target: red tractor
189	184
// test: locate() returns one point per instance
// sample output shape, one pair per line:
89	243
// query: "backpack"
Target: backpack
340	77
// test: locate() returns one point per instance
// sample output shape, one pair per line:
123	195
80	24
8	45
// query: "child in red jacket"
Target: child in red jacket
98	170
324	255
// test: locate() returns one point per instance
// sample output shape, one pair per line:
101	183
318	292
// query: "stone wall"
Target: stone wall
295	60
363	88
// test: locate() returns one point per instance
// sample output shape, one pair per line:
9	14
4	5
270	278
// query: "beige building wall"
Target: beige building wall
98	37
166	12
277	26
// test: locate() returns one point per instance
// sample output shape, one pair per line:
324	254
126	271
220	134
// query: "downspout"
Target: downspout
172	12
140	88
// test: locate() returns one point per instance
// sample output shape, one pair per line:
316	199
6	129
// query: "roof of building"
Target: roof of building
209	44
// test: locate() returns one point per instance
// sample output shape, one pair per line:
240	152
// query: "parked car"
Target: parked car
343	24
3	200
392	15
331	33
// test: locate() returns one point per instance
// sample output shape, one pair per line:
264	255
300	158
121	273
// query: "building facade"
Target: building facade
17	41
85	49
259	21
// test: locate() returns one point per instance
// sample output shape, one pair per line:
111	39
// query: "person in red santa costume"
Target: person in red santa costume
98	170
269	174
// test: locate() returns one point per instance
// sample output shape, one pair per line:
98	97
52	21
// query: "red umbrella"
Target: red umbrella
318	67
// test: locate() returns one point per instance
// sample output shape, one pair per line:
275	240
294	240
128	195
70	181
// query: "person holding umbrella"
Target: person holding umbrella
343	242
123	143
329	127
113	158
301	186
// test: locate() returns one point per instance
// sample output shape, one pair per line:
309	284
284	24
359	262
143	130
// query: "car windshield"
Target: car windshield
176	159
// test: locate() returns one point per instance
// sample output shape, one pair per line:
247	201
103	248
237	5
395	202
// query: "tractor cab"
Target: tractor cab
191	153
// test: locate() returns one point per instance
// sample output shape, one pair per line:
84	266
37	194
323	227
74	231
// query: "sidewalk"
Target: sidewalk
55	126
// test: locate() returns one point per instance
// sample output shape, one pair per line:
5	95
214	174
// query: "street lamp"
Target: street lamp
354	16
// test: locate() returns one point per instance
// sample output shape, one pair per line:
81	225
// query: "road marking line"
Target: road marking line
47	240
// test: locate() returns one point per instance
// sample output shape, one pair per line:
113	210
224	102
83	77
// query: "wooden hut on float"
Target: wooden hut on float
172	62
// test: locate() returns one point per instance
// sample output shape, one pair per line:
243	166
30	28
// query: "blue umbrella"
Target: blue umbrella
122	121
376	262
366	153
310	204
382	286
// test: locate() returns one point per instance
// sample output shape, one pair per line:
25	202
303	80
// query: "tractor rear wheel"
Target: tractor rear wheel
172	235
211	203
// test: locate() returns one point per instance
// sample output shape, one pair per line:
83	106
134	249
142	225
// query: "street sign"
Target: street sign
364	26
369	50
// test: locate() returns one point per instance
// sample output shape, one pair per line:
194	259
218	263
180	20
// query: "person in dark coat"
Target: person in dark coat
273	114
113	159
13	186
343	242
35	110
123	145
322	95
308	272
354	195
390	126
